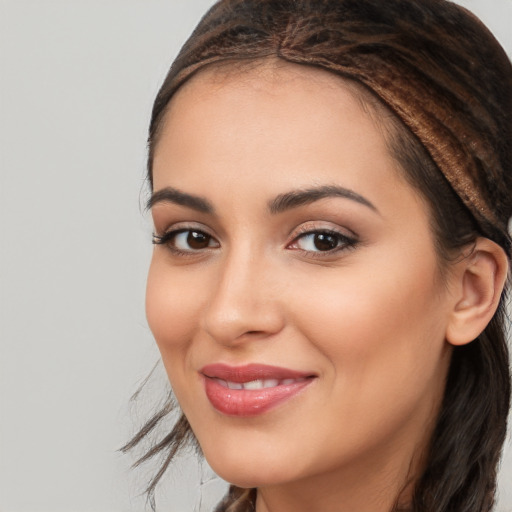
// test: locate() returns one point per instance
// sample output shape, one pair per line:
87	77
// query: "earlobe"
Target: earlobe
480	281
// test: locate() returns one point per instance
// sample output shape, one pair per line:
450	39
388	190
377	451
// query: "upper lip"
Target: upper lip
251	372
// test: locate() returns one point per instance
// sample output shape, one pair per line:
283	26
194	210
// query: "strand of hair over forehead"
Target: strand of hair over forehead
436	66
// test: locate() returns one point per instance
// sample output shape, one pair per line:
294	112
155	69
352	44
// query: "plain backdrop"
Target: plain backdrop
77	79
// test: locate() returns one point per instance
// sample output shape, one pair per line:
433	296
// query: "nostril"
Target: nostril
235	317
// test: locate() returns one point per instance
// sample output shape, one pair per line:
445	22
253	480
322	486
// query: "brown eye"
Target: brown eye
322	241
186	240
325	241
197	240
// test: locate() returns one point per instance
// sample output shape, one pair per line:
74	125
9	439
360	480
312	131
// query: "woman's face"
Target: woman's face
295	294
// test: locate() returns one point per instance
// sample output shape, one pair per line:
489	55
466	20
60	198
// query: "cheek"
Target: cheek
172	310
379	332
384	344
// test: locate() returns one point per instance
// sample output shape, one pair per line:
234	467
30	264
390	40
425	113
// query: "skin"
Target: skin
368	319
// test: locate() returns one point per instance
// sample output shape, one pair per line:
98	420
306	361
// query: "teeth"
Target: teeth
258	384
254	384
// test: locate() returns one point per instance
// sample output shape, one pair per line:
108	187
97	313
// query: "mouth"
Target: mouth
259	383
252	389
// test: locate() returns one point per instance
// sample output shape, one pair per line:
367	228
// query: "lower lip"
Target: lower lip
250	402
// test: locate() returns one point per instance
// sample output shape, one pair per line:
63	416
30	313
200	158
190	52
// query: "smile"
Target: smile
258	384
252	389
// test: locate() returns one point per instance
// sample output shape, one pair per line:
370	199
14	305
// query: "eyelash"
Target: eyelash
169	237
344	242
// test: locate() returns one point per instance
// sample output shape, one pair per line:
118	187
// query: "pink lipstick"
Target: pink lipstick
251	389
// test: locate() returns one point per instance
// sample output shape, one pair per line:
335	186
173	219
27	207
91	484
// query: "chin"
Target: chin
246	471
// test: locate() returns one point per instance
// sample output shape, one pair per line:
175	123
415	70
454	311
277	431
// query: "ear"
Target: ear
478	283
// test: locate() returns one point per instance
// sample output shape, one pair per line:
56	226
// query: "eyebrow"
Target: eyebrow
172	195
296	198
279	204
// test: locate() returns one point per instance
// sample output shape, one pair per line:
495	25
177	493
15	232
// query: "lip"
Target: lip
251	402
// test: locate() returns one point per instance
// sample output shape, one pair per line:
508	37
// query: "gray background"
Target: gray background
77	81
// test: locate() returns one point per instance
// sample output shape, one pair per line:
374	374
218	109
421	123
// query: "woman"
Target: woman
331	188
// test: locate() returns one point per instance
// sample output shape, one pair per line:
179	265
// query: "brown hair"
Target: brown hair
449	85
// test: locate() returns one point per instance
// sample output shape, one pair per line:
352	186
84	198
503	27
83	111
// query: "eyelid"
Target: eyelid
176	227
182	227
349	240
322	226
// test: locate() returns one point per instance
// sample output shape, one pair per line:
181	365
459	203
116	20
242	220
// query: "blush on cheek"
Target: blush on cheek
366	321
170	310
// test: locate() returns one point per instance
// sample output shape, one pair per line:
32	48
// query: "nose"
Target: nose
245	302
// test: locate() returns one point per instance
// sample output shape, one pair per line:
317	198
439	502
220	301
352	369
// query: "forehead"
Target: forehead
272	127
270	90
270	75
